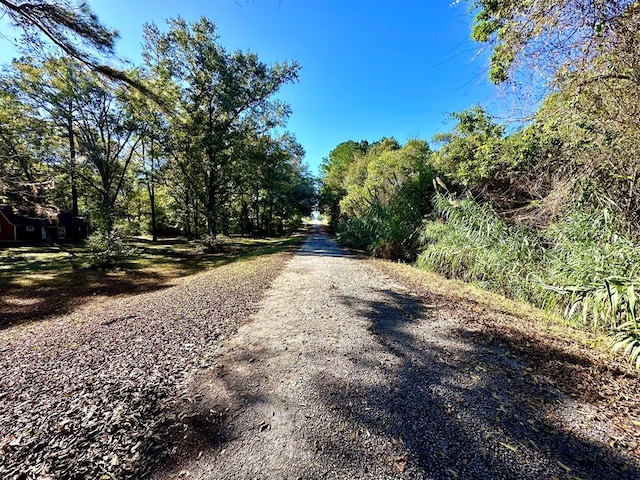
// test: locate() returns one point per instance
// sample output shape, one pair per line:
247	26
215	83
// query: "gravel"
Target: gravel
100	393
337	371
347	373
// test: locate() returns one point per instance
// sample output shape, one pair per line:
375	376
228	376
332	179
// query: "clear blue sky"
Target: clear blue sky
370	68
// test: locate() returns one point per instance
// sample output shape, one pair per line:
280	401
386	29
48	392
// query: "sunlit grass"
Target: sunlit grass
29	266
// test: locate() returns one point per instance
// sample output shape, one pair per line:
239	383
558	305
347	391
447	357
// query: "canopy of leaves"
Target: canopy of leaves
222	98
547	35
378	193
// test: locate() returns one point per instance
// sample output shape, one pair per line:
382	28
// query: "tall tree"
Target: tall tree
53	88
108	135
548	36
334	169
157	141
383	191
223	95
25	144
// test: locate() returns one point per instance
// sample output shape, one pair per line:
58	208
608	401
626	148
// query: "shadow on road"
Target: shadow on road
319	244
463	406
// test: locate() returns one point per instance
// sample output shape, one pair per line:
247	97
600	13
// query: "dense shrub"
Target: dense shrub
581	265
107	249
470	241
383	232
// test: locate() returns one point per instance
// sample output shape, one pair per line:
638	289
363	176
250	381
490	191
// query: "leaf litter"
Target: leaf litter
103	398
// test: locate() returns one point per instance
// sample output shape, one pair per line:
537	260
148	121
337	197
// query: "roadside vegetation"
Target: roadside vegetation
546	210
192	142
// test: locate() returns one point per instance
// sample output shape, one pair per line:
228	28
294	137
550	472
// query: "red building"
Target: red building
7	229
40	224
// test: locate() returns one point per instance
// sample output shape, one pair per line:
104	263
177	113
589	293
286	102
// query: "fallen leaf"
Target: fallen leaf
510	447
401	462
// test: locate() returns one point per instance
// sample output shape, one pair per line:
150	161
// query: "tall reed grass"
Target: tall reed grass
385	231
581	266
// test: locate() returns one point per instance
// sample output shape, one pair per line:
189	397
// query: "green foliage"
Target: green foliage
470	153
199	157
386	192
383	231
581	265
71	27
24	139
610	304
587	248
334	171
210	245
470	241
627	340
595	272
108	249
520	32
223	98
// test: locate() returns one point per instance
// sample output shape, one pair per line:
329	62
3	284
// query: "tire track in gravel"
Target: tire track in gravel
345	373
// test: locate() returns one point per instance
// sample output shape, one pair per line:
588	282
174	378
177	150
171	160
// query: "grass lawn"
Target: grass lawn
42	281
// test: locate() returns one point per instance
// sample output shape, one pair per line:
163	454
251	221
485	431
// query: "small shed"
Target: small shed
40	224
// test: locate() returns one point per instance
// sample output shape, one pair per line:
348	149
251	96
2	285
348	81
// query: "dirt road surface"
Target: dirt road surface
346	373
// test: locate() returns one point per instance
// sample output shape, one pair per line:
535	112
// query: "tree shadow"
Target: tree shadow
62	292
55	288
205	426
464	405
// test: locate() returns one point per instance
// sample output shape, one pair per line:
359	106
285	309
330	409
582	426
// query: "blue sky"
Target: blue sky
370	68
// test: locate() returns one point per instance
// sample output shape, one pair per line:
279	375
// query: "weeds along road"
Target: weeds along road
345	373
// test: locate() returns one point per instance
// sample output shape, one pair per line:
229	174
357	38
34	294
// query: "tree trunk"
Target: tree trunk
187	215
212	227
152	200
72	157
244	218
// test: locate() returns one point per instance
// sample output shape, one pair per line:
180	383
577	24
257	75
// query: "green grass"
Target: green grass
26	265
40	282
22	265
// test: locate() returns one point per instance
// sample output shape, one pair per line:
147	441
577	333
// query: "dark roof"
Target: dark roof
17	217
39	216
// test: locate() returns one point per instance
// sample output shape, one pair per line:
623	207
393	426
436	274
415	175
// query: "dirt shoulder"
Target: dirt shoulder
355	369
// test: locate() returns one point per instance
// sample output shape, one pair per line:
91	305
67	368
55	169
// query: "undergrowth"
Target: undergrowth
582	265
385	231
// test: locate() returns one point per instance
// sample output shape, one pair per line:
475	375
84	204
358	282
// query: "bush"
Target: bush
210	245
382	231
107	249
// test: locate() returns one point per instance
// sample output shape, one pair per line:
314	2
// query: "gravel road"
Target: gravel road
99	393
306	366
346	373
